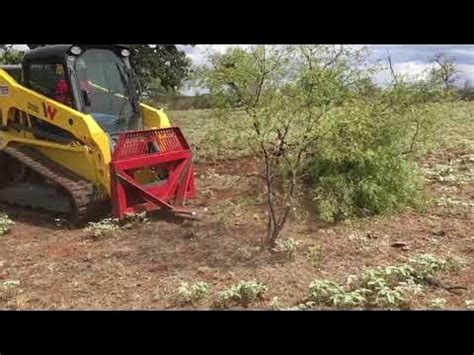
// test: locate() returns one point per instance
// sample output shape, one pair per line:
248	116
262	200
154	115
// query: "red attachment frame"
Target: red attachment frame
164	150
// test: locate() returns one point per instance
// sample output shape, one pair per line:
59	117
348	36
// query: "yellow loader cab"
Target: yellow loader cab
59	127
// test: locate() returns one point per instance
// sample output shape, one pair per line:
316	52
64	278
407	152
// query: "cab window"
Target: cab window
50	80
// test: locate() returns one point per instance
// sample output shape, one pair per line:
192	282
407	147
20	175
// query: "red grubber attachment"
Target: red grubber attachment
149	170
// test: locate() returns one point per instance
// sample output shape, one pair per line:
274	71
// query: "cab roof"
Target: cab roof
59	51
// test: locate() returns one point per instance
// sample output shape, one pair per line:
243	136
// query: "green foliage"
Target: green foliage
364	165
160	68
5	224
363	183
194	292
315	121
214	135
323	291
172	101
385	287
444	72
9	55
243	292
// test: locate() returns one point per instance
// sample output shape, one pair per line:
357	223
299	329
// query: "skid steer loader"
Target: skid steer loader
76	140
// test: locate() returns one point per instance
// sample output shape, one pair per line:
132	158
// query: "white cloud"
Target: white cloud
466	70
21	47
412	69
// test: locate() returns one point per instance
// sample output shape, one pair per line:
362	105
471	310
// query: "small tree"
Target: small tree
444	71
288	94
312	123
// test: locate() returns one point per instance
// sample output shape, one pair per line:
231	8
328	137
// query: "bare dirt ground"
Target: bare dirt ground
142	267
44	265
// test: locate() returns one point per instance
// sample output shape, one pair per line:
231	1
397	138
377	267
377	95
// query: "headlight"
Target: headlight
125	52
76	50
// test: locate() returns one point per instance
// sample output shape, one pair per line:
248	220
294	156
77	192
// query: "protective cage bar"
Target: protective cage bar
160	150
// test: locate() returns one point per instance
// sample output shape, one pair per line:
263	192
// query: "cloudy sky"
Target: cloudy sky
406	59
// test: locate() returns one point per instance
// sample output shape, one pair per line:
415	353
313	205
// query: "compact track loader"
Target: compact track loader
76	140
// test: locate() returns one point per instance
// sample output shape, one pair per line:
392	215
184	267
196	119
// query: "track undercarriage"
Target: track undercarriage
30	179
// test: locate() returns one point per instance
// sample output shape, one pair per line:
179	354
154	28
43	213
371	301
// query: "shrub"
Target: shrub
243	292
323	291
362	184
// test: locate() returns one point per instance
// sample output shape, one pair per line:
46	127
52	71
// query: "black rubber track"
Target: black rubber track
80	191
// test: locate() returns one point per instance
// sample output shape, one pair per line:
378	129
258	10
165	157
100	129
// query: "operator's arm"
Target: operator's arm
104	89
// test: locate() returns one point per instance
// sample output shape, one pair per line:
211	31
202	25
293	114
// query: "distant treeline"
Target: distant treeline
178	102
204	101
466	94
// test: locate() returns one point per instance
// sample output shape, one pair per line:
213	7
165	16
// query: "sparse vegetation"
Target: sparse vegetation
381	287
288	247
247	251
362	163
9	284
9	290
192	293
105	227
315	255
437	303
275	303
